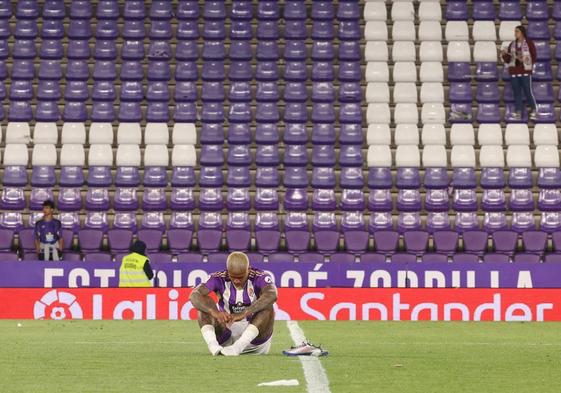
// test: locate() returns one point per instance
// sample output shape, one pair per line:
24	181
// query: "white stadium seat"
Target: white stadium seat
156	134
377	72
18	132
462	134
432	92
433	114
431	71
403	31
375	11
128	155
484	30
404	71
403	51
100	155
73	133
519	156
506	30
545	134
406	134
378	134
517	134
403	11
430	10
546	156
462	156
183	155
376	31
48	133
377	92
184	134
100	133
456	30
490	134
72	154
44	155
379	156
406	113
491	156
430	30
156	155
433	134
405	92
485	51
16	154
129	133
434	156
378	113
376	51
407	156
458	51
431	51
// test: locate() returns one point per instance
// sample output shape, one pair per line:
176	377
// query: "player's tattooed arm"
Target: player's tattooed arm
266	299
201	300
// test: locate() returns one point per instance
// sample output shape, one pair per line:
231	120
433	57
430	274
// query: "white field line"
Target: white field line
466	343
316	378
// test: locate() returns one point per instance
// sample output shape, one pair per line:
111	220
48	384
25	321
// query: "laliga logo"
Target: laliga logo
56	305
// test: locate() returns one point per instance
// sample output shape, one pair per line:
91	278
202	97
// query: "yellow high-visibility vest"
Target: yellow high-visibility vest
132	272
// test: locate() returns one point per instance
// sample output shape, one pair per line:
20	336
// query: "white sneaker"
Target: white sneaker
533	115
215	349
230	351
516	116
305	349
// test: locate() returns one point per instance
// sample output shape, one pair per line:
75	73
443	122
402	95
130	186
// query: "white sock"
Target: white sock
246	338
209	335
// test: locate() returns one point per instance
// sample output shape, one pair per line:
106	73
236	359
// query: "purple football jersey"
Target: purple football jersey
48	232
234	300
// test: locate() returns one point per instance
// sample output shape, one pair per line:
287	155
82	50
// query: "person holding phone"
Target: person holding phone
520	56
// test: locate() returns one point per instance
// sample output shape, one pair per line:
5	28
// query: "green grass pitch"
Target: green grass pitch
162	356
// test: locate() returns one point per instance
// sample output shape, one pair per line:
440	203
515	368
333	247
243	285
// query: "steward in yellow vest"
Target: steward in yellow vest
135	268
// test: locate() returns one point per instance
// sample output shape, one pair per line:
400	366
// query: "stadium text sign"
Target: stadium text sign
293	275
294	303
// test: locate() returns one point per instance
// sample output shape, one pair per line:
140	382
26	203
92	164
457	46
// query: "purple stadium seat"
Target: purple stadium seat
535	242
487	92
509	10
119	240
474	241
459	72
456	10
483	10
90	240
179	240
238	235
152	238
6	240
460	92
488	113
210	231
538	30
505	241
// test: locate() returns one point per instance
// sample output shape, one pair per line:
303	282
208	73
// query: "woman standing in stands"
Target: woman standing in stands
521	56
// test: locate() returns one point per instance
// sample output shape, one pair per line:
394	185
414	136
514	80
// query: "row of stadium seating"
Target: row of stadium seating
439	246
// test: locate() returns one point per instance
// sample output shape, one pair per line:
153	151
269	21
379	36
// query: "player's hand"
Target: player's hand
221	316
239	317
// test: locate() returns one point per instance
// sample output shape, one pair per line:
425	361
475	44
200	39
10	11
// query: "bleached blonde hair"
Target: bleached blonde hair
237	262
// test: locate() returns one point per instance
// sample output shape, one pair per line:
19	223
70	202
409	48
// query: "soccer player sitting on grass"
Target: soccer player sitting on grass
243	321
